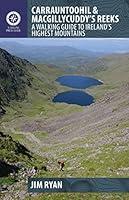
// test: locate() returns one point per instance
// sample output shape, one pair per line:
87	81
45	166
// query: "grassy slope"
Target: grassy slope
88	161
104	160
115	73
39	99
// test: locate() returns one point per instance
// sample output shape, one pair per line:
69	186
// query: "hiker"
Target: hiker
61	164
33	171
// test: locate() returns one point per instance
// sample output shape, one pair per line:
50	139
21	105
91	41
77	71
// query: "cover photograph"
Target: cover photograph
64	100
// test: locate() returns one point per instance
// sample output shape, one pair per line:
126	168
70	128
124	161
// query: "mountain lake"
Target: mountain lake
78	97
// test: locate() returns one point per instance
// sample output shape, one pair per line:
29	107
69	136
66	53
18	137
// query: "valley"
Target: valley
92	140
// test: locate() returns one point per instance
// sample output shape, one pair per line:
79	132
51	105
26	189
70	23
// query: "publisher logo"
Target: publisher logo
13	18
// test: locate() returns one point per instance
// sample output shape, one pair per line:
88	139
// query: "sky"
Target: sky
94	44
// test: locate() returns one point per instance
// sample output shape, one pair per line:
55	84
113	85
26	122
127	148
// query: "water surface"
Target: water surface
78	97
79	82
74	97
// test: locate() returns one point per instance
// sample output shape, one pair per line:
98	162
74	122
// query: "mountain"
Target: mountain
111	62
14	77
93	141
18	77
63	56
22	86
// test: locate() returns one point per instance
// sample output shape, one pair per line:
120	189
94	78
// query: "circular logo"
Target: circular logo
13	18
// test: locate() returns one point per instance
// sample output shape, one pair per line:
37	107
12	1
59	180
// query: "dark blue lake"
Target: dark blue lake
79	82
74	97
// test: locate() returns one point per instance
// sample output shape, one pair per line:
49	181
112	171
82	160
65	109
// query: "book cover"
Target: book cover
64	100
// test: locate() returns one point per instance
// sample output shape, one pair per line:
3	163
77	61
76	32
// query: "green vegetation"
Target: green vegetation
6	181
107	160
38	85
114	74
13	152
96	149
